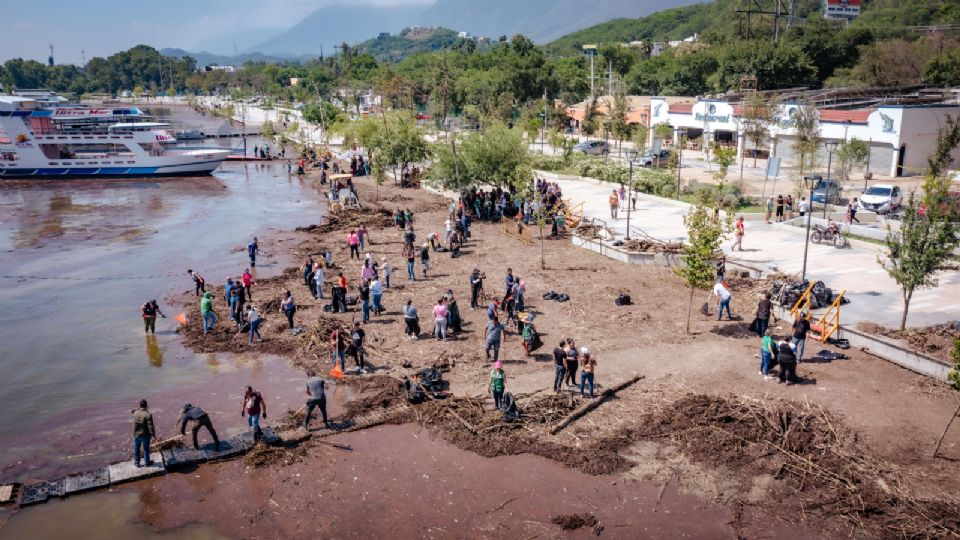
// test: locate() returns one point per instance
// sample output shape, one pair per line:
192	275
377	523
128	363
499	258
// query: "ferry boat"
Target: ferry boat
46	141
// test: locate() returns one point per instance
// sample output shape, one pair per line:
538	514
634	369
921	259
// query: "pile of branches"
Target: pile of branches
821	465
652	245
372	216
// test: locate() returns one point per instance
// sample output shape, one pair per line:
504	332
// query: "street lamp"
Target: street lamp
831	147
809	182
632	157
680	133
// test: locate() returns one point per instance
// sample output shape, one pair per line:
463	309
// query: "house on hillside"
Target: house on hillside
841	9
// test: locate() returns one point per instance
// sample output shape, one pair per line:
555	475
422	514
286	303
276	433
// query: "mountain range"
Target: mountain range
540	20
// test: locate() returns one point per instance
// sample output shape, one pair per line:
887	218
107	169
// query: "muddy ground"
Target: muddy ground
938	341
846	452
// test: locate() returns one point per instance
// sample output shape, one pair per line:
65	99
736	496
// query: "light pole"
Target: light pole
809	183
831	147
630	193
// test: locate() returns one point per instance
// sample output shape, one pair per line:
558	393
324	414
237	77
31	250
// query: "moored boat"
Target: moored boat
40	142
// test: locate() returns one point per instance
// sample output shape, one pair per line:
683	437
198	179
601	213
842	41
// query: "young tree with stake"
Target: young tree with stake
929	233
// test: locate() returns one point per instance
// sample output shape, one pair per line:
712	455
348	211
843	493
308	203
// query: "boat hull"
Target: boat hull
55	173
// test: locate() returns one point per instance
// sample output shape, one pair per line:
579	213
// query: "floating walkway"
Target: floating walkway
183	457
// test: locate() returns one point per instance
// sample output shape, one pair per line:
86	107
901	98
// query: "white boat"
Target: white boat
42	141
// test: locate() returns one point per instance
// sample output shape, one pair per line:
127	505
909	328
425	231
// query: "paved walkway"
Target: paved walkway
873	295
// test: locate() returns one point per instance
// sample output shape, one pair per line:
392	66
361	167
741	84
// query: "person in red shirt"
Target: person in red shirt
247	279
253	407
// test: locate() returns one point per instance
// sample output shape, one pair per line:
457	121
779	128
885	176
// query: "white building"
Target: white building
901	137
841	9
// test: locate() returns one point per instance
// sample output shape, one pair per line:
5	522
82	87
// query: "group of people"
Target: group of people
780	208
567	360
253	407
785	352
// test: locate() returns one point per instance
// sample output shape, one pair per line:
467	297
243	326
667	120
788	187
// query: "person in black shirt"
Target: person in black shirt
764	308
800	328
559	360
357	337
200	419
788	362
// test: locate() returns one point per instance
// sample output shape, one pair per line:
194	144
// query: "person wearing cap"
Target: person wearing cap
198	416
425	258
143	431
587	365
150	310
498	381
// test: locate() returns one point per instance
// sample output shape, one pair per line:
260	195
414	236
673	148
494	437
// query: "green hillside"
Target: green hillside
718	21
390	48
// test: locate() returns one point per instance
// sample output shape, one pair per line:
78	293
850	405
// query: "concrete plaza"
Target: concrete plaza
873	295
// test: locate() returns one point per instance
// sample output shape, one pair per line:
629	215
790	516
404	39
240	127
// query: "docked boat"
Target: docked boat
41	141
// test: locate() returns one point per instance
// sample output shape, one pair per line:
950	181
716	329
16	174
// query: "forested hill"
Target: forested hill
718	20
392	48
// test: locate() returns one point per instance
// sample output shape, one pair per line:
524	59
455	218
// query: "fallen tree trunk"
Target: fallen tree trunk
591	405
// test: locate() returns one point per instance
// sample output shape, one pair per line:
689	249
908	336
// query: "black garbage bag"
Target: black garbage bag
508	406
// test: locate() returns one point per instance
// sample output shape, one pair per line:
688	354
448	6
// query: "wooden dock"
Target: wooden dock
183	457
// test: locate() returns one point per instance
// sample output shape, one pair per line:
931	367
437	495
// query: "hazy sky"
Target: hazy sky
103	27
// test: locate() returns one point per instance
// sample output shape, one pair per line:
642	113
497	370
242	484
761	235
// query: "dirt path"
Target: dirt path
892	415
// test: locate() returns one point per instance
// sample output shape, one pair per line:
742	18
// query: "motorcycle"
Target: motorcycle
829	234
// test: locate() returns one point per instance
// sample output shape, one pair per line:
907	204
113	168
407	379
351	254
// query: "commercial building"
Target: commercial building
900	136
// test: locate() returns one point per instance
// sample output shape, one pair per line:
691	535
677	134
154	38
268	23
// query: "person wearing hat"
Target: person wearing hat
143	431
425	258
198	416
150	310
587	365
498	381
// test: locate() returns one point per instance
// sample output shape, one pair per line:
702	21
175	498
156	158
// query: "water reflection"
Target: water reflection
154	354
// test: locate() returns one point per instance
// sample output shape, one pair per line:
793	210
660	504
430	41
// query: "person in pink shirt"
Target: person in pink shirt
247	279
440	318
353	240
367	273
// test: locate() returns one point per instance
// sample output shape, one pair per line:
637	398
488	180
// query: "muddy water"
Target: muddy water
400	482
78	258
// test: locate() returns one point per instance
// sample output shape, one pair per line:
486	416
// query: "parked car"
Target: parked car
592	148
825	190
650	158
881	198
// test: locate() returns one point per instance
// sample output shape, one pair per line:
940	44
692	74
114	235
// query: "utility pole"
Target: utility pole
160	69
610	77
543	128
83	58
592	51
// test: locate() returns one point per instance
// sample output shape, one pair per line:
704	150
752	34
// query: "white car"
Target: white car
881	198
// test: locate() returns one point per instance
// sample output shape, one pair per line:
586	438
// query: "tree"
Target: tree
496	156
590	118
944	69
706	230
759	113
618	119
851	154
923	245
266	130
640	134
806	141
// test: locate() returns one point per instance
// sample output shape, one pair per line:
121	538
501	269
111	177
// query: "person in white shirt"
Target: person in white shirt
720	291
386	272
318	280
449	228
254	317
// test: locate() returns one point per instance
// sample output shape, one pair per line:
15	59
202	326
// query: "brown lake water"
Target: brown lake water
78	259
